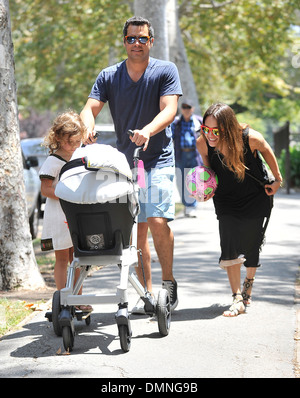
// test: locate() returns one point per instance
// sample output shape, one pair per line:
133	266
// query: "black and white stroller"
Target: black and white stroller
98	193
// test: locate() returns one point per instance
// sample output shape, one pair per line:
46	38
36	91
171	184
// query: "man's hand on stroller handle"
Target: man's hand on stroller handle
92	136
140	137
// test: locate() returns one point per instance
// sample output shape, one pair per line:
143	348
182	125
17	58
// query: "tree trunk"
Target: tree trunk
155	11
18	267
178	55
168	43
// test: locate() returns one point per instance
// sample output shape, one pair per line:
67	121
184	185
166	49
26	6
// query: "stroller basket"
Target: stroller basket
101	228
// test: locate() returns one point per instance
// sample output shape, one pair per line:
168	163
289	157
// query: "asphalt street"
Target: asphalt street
201	343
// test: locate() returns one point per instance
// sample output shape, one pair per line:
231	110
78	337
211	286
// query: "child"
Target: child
64	137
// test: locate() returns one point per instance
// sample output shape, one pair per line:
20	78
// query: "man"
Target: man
186	129
142	93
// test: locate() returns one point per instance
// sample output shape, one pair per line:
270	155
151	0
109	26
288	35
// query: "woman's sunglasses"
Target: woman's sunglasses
206	130
141	39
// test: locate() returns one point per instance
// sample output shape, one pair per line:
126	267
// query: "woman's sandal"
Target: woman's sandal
248	283
236	308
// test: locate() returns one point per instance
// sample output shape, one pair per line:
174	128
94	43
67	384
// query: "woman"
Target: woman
242	201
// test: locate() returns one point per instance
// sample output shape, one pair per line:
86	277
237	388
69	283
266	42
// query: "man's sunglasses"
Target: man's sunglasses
141	39
206	130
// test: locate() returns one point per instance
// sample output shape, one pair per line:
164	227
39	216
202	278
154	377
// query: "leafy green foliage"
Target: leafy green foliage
295	165
240	53
60	47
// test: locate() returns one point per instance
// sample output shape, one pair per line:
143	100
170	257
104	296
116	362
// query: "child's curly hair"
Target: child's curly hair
66	125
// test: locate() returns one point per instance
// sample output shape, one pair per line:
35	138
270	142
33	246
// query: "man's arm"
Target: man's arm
168	110
89	113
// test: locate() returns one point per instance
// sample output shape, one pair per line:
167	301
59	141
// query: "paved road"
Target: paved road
201	343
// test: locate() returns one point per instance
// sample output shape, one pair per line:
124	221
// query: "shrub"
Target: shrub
295	165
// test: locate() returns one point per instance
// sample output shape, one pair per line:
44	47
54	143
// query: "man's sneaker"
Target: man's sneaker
139	309
171	287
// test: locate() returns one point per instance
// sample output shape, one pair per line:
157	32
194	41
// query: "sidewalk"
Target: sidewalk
202	343
276	300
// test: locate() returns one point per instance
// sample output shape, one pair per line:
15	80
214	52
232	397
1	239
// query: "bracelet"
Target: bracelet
280	181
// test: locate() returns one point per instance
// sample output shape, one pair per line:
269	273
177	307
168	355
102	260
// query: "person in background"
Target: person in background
185	131
244	198
142	93
66	134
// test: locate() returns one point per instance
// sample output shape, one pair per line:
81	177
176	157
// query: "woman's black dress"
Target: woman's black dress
242	208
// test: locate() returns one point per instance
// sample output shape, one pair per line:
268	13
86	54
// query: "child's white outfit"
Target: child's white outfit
56	234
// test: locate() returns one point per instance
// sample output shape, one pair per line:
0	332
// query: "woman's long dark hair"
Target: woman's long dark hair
230	138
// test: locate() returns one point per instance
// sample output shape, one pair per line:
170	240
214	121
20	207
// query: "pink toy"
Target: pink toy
141	174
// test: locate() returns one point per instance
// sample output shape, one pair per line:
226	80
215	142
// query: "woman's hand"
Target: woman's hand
271	189
203	198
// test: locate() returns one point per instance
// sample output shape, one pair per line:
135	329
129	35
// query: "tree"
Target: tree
179	56
168	43
241	48
17	262
233	50
60	48
156	12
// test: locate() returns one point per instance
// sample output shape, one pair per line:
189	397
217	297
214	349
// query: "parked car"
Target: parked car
32	147
33	193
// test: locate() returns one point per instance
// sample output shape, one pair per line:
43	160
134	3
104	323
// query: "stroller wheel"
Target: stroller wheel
125	337
163	312
68	338
56	308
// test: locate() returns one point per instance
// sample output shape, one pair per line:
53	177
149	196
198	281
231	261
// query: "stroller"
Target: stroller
99	196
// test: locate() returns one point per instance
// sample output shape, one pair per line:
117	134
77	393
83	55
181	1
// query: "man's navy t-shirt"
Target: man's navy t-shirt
133	105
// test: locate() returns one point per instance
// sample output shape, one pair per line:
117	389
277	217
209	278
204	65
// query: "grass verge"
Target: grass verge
12	313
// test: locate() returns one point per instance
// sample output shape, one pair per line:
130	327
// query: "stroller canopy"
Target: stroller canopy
96	173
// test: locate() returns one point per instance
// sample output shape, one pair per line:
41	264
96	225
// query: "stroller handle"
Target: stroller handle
136	154
136	172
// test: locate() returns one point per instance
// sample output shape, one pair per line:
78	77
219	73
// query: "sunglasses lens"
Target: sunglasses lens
130	39
143	39
206	130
